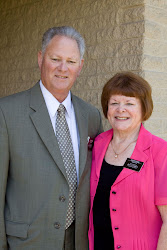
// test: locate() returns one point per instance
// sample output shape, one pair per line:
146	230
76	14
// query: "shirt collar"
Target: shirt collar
52	103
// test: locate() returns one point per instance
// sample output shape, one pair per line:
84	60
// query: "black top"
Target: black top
103	235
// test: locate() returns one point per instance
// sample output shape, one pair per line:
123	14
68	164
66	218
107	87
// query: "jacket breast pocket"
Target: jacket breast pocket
16	229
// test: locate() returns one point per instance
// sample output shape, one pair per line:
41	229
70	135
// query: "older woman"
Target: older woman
129	172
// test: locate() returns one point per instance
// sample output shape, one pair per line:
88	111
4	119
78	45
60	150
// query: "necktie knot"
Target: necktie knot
61	109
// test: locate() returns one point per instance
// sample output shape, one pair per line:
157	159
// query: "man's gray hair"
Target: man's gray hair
63	31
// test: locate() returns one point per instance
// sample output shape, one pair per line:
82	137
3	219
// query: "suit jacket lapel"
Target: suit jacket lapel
42	123
82	123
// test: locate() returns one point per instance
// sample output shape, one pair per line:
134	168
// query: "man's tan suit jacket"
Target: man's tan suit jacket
33	182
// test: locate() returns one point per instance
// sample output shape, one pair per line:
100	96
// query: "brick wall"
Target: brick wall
154	63
120	35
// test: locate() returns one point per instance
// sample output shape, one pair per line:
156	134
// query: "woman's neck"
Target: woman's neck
123	136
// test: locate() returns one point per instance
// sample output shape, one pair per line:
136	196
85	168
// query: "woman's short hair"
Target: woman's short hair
67	31
128	84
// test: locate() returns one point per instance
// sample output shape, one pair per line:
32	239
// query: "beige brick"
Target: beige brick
106	65
127	3
32	76
164	61
156	79
155	48
157	3
16	34
102	50
164	126
154	126
107	34
160	110
157	127
3	41
158	15
85	83
92	83
152	63
164	33
130	30
3	5
89	96
130	47
131	63
4	76
131	14
90	68
159	94
102	79
153	30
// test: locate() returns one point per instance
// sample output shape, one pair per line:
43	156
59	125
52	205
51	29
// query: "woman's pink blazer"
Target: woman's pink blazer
136	223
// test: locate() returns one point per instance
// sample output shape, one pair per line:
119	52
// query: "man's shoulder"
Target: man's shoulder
16	98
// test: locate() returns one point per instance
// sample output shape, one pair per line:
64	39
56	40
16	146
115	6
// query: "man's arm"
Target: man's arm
101	125
4	164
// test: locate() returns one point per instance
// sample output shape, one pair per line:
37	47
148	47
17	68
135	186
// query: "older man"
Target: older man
44	158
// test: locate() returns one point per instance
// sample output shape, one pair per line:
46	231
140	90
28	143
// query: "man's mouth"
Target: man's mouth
61	77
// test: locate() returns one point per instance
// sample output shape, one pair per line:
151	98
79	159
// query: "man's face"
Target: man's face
60	65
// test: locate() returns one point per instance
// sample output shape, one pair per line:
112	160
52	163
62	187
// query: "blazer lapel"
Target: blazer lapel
82	123
139	153
100	147
42	123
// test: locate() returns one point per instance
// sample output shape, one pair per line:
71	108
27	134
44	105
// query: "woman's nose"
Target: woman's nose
121	108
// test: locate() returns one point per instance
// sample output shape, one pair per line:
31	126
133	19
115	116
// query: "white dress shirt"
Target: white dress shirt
52	105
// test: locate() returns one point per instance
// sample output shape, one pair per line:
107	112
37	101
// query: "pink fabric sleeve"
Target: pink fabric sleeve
160	165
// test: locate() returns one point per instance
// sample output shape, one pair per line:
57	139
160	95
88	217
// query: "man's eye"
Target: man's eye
72	62
55	59
129	104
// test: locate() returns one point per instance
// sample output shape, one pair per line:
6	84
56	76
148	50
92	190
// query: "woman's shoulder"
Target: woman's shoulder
104	135
149	139
159	143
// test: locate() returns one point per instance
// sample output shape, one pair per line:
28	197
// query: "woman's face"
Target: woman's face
124	113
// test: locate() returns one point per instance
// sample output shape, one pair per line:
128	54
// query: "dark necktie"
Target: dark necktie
66	148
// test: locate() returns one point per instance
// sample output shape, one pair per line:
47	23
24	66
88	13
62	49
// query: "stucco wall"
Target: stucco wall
120	35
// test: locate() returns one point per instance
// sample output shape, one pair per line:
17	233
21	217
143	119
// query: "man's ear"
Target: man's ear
40	59
81	65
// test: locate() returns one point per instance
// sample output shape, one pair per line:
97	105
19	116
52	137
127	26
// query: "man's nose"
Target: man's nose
63	66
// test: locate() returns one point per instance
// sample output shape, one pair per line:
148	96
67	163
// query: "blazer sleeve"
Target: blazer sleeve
4	165
160	166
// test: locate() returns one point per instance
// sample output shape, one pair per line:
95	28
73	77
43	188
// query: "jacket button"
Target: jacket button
113	192
118	247
62	198
114	210
57	225
116	228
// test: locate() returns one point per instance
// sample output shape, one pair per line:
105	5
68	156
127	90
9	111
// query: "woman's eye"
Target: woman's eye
114	103
129	104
